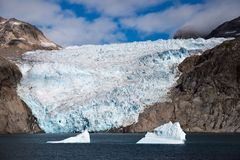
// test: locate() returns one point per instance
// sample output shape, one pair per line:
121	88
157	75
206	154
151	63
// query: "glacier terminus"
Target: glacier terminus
100	87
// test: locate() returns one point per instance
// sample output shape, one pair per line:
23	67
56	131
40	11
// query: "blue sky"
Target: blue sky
76	22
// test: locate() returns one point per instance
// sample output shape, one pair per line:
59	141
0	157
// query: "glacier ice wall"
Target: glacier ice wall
101	86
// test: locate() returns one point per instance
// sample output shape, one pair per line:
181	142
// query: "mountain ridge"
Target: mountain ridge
17	37
227	29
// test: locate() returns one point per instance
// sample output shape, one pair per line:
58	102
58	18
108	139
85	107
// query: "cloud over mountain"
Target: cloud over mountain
72	22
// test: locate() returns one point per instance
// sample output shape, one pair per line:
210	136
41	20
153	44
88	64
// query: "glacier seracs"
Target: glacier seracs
83	137
101	86
169	133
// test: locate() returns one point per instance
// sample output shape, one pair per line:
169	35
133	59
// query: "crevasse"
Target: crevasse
99	87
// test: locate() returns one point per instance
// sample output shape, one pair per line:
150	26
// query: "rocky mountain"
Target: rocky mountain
15	116
207	96
227	29
17	37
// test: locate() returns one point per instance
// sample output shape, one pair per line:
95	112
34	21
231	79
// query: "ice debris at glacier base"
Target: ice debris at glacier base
169	133
83	137
101	86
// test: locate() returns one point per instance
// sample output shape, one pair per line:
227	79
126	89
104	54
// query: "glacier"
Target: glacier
169	133
100	87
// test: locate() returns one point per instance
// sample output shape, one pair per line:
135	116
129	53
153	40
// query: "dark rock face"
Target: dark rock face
188	63
227	29
17	37
15	116
207	96
152	117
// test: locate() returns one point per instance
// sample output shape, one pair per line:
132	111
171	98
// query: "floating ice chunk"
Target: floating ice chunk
170	130
169	133
83	137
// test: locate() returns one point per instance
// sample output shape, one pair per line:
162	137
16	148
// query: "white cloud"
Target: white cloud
65	28
197	17
163	21
118	8
212	14
61	26
39	12
74	31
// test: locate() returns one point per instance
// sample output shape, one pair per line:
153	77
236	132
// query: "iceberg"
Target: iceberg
169	133
83	137
101	86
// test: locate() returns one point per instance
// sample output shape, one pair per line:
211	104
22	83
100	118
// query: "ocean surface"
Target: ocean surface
116	146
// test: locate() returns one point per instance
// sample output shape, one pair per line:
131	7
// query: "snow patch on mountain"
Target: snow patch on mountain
101	86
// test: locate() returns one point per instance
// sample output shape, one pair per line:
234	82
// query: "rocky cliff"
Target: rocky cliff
206	97
15	116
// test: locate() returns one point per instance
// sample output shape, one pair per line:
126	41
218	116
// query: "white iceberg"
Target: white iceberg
169	133
83	137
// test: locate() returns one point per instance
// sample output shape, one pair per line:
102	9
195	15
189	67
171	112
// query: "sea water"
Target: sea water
117	146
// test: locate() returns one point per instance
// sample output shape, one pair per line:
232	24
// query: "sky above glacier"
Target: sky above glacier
76	22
